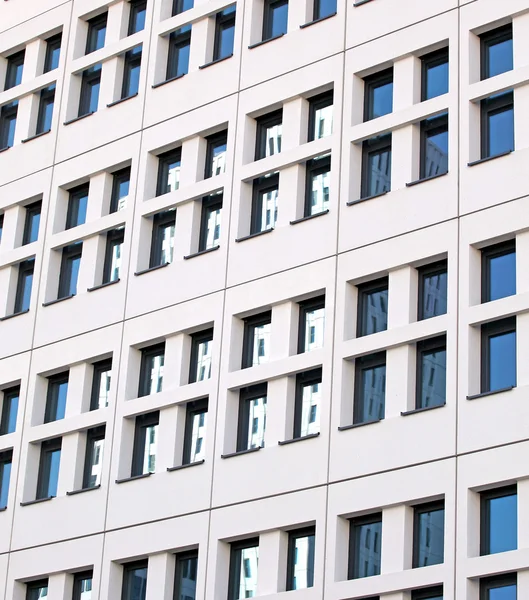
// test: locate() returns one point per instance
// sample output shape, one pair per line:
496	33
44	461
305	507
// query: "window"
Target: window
82	585
224	33
432	593
318	175
497	125
201	352
431	373
498	271
500	587
376	166
370	388
90	83
252	417
311	324
244	560
432	290
434	146
275	18
138	10
45	116
300	562
499	520
179	45
134	580
323	8
8	123
151	370
195	432
185	583
372	307
36	590
8	422
131	72
162	242
6	459
120	190
56	397
378	95
498	355
77	205
113	255
145	444
169	171
24	285
53	53
308	402
180	6
210	222
1	225
434	74
269	131
32	223
70	264
101	384
95	442
321	109
264	203
496	51
428	534
97	29
256	343
50	460
216	154
15	67
365	546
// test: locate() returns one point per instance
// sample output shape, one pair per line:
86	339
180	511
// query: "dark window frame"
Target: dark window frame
32	586
32	210
8	395
89	78
95	434
99	367
246	395
427	593
489	39
146	355
362	363
51	397
78	578
74	198
212	142
428	61
53	43
95	25
489	583
13	63
264	123
437	343
304	308
293	535
25	269
268	22
193	408
235	565
426	271
8	113
115	237
196	339
6	458
250	323
364	290
484	513
180	557
43	480
313	168
160	222
118	177
222	22
164	160
316	11
47	98
372	146
178	7
429	127
488	330
488	253
302	380
209	204
371	83
316	103
131	60
69	253
138	450
370	519
136	6
127	569
261	186
177	40
489	107
418	510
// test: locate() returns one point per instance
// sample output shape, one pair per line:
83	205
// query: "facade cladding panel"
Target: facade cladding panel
291	310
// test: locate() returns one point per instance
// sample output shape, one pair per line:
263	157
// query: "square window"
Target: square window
434	74
428	538
372	307
275	18
151	370
224	33
244	560
498	355
317	186
431	373
323	9
378	95
252	417
376	166
269	132
365	546
256	343
145	444
180	6
433	281
264	203
497	125
499	520
134	580
162	241
195	432
179	47
496	51
308	403
498	271
434	146
370	388
300	560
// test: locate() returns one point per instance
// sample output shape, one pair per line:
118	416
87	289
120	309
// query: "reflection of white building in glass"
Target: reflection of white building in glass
374	381
167	245
248	580
303	563
157	374
261	344
436	158
213	228
173	177
273	140
320	192
218	165
314	328
256	422
97	463
104	389
149	455
323	122
434	378
198	435
431	542
310	410
86	589
269	209
204	360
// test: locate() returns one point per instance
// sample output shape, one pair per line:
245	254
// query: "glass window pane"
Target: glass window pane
137	584
279	19
434	295
261	344
226	39
310	409
96	462
93	94
319	192
33	227
47	115
167	244
503	523
500	57
54	460
218	159
303	556
430	538
5	472
61	392
204	353
381	100
25	293
198	436
268	209
502	276
433	385
436	80
367	549
173	175
182	65
11	126
213	227
149	453
501	132
115	261
53	58
134	80
505	592
373	394
256	422
323	122
139	20
75	263
187	578
375	312
155	374
436	153
502	368
379	172
10	407
246	587
314	328
273	140
325	8
103	389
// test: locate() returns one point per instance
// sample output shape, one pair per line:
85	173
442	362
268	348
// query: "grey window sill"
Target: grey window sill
420	410
57	300
216	61
262	42
134	478
3	508
121	100
180	467
483	160
201	252
151	269
417	181
360	2
7	317
305	25
82	490
356	425
254	235
103	285
37	135
157	85
79	118
359	200
491	393
38	501
309	217
241	452
299	439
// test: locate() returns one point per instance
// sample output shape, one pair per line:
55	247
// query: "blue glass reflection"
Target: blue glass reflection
27	284
12	409
75	264
502	358
134	80
139	20
434	295
503	524
5	469
82	205
381	100
433	385
62	392
47	116
375	312
502	276
54	459
367	550
94	96
501	131
278	20
500	58
506	592
187	579
226	39
182	65
33	229
379	172
54	57
436	154
373	394
431	538
324	8
138	584
436	80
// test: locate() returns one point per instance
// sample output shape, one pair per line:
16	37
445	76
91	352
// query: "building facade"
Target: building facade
264	299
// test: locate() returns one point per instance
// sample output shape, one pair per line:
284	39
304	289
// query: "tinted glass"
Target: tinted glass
371	404
322	122
46	114
204	351
500	57
324	8
9	412
26	283
154	371
15	68
218	158
378	172
314	327
8	130
256	422
502	368
436	153
381	101
93	96
319	192
182	59
430	538
278	19
273	136
95	464
433	385
502	276
137	584
5	476
501	131
53	460
120	192
436	82
96	35
60	393
268	205
247	561
374	311
167	244
310	409
261	344
367	549
198	435
180	6
53	54
303	559
226	35
149	451
138	18
505	592
115	260
172	172
186	579
75	263
134	81
78	206
434	295
33	224
212	237
37	593
83	588
503	524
